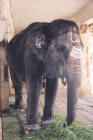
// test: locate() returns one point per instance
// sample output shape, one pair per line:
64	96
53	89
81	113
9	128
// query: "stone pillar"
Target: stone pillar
0	127
4	85
6	14
6	33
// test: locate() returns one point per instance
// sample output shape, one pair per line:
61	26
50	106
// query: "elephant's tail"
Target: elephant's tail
3	43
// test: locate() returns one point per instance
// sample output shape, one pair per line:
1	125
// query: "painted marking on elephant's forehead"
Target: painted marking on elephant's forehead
75	37
79	84
78	45
74	65
74	29
76	100
76	52
38	43
74	69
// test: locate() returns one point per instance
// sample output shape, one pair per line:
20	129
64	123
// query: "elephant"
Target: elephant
41	51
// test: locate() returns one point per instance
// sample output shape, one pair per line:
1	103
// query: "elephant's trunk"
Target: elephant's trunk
73	82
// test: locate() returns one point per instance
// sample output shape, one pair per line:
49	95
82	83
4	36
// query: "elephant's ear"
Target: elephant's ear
40	41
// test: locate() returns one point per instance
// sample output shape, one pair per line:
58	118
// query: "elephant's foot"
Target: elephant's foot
7	111
30	128
46	122
17	107
22	108
69	121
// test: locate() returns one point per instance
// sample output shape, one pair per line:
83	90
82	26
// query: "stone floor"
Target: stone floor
84	108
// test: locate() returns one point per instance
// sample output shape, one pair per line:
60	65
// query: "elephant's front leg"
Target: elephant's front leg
33	89
50	94
33	74
73	87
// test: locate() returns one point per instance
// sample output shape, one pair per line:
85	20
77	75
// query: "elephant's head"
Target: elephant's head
64	48
62	44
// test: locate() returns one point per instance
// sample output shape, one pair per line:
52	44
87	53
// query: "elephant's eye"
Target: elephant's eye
51	46
74	29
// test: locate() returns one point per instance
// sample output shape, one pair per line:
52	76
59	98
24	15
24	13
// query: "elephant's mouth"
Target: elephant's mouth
55	69
51	65
52	68
52	71
52	74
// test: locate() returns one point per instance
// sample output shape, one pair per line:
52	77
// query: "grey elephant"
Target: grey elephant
39	52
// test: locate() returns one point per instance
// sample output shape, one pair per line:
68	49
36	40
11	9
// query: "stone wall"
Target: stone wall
80	18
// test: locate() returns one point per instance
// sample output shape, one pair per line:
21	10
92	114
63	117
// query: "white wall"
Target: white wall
84	15
25	12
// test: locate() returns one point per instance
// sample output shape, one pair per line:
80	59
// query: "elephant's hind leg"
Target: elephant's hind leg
18	89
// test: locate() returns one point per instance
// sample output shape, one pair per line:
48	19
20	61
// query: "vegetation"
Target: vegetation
53	131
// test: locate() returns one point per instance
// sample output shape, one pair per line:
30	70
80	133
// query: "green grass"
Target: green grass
56	131
53	131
